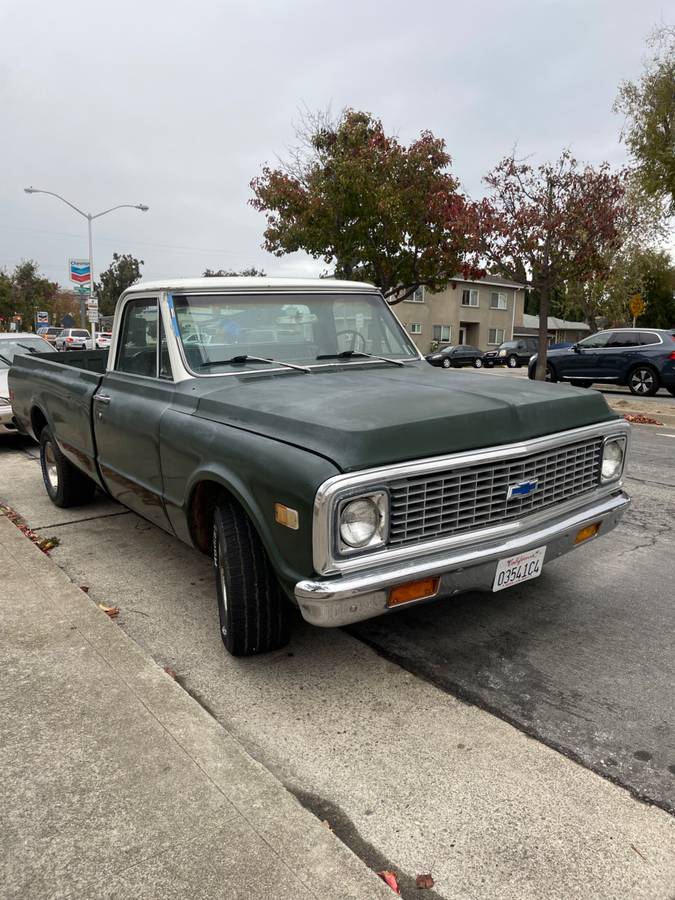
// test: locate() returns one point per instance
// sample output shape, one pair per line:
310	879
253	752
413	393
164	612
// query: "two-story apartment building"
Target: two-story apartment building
480	313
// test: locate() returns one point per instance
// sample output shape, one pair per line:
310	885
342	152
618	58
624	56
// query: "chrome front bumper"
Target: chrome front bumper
351	598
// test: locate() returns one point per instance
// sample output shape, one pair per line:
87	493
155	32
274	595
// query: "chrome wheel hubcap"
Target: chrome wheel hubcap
642	381
221	575
51	469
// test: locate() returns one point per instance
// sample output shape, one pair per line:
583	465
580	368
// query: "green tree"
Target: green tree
558	221
251	272
649	109
6	303
30	291
122	272
369	206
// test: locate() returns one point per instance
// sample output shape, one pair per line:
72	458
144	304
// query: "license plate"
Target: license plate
519	568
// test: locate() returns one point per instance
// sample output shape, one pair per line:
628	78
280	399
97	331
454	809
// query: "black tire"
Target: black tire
671	391
512	362
65	485
446	363
550	374
643	381
254	613
478	363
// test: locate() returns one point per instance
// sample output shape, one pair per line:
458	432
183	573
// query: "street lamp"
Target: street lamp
90	218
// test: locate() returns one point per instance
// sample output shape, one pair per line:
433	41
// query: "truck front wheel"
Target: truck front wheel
254	613
65	484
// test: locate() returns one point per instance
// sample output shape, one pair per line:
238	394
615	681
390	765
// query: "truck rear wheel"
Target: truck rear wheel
254	613
65	484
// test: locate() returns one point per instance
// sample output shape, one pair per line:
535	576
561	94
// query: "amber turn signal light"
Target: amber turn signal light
413	590
284	515
587	532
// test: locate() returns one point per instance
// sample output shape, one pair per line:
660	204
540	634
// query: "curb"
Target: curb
311	850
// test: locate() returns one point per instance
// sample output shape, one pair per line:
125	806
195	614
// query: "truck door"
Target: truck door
128	409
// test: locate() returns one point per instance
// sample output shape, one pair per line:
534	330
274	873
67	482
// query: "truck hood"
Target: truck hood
362	416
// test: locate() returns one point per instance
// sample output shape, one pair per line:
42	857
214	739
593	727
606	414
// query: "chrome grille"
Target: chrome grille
426	507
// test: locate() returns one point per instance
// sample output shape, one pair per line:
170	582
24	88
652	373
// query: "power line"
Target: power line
121	241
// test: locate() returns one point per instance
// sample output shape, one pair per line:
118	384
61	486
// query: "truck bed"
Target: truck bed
58	388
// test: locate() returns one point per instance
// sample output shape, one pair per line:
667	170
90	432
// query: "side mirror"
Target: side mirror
575	347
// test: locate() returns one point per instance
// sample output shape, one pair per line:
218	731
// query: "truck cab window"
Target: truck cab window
137	352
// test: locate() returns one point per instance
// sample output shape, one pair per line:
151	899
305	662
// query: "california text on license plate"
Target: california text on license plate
516	569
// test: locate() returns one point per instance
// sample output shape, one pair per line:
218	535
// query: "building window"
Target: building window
441	333
469	297
415	328
497	300
417	296
495	336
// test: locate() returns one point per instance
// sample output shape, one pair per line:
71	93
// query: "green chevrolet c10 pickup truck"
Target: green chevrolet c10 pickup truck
292	430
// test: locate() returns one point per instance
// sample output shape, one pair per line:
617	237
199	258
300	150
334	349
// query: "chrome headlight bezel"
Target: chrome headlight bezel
620	442
379	504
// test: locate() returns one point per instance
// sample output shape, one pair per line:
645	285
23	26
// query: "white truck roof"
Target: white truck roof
248	284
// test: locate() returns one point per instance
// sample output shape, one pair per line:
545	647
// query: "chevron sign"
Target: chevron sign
79	271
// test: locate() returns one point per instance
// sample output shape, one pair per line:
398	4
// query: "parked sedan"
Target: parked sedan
513	354
461	355
74	339
642	358
13	343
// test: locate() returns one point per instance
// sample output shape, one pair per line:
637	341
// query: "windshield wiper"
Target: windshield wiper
355	354
5	360
26	347
244	358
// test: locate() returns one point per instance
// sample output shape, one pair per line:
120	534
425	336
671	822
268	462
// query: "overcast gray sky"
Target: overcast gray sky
177	105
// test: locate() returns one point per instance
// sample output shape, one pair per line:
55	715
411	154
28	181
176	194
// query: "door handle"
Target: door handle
102	398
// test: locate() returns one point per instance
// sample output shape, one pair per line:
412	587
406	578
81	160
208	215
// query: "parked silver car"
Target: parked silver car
11	344
74	339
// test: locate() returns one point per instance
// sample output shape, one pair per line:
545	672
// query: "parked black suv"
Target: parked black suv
642	358
460	355
513	353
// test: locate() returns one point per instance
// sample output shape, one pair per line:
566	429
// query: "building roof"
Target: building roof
554	324
492	281
249	284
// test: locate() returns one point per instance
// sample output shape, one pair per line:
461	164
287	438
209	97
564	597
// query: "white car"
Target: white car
74	339
103	339
12	343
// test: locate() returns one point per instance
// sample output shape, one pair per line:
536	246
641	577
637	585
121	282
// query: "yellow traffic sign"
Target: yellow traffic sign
636	305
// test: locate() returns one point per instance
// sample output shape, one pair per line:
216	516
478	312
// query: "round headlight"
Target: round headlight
359	522
502	352
612	460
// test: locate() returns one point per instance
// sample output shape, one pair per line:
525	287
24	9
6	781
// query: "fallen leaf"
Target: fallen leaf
424	881
171	672
641	420
85	588
111	611
326	824
390	878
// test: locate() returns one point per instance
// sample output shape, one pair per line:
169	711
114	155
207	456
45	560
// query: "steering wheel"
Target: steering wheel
353	337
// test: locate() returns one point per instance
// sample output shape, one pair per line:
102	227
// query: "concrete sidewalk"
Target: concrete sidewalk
114	782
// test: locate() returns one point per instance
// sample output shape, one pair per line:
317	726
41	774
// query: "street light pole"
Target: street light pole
90	218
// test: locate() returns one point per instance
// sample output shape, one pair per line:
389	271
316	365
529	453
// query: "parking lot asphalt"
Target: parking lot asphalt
406	772
581	658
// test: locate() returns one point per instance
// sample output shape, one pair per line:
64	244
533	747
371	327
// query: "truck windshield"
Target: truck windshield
307	329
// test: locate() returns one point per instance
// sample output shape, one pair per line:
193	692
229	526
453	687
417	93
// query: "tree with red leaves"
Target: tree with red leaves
371	207
558	220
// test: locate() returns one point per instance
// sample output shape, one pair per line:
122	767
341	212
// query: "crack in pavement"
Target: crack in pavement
124	512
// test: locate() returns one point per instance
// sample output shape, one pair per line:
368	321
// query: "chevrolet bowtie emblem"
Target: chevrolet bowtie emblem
522	489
